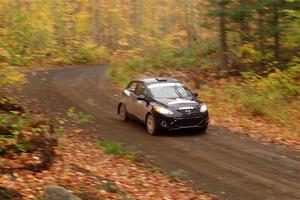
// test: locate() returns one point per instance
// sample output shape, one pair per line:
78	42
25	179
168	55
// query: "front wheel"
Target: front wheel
123	113
151	125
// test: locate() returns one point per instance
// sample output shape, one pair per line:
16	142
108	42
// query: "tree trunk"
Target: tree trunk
96	17
58	23
261	31
139	12
244	26
223	41
276	33
189	21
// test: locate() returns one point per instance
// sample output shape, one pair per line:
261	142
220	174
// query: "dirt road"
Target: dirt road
228	165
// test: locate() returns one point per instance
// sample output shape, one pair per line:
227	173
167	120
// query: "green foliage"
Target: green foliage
111	187
274	97
247	56
91	102
8	194
293	33
167	55
17	130
115	148
163	55
157	170
8	75
178	175
51	32
168	35
23	147
58	131
90	53
14	121
110	147
79	117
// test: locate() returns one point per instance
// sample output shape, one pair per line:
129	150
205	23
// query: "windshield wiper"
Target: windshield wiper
177	91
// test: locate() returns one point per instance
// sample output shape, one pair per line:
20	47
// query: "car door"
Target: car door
141	105
129	97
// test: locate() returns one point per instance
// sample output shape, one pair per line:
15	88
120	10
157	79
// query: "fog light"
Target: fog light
164	124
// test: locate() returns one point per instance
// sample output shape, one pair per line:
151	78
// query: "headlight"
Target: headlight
203	108
163	111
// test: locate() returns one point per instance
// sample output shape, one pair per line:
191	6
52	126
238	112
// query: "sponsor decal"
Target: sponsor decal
186	108
180	101
164	85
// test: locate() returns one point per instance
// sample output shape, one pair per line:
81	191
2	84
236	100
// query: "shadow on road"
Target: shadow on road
166	133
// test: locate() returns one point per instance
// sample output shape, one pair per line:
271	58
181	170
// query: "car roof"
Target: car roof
151	80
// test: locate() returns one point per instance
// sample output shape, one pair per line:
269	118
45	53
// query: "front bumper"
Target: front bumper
188	122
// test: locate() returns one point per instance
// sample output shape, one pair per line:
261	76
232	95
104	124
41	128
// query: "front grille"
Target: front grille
189	112
189	122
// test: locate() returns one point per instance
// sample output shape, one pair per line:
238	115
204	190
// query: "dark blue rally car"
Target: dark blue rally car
162	104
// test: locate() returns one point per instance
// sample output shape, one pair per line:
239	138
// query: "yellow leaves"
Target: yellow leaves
10	77
82	24
182	33
123	42
4	55
70	8
248	54
206	35
78	163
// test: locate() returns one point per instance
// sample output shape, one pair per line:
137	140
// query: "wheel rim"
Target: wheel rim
150	124
122	112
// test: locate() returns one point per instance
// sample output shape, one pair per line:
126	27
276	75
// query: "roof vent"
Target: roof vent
161	79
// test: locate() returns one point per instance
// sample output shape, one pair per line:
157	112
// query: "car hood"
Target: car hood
179	103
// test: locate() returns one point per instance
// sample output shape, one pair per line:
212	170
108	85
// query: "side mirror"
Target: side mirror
131	90
196	94
141	98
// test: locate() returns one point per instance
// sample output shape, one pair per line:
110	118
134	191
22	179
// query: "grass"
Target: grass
258	104
18	129
156	169
115	148
8	194
79	117
178	175
110	187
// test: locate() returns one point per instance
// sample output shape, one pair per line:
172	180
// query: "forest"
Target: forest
62	62
244	54
239	34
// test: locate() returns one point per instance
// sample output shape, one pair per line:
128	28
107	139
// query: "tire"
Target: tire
123	113
151	125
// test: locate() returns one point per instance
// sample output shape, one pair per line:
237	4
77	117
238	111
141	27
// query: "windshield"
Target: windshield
169	91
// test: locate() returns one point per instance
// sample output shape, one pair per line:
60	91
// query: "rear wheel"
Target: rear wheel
151	125
123	113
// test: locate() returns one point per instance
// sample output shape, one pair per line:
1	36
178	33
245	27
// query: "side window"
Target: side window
132	86
141	90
